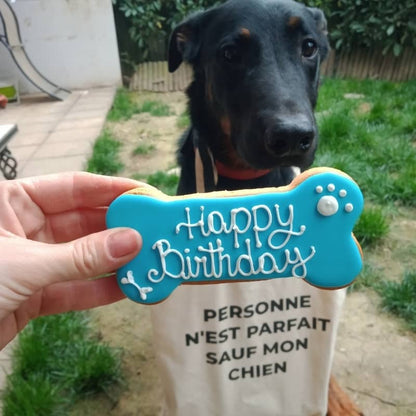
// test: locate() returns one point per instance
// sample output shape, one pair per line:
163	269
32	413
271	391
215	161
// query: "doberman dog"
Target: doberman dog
256	66
256	76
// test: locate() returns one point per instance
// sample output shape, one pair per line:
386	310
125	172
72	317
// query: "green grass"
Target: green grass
155	108
371	227
56	362
400	298
166	182
183	120
371	138
370	277
105	159
123	106
143	149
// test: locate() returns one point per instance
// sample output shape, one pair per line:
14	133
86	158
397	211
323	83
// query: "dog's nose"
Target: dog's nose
293	137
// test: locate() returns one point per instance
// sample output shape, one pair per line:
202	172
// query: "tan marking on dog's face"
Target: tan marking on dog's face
180	36
293	22
245	32
226	125
208	92
228	152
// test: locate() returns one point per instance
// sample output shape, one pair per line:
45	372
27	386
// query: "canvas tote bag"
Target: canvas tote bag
247	348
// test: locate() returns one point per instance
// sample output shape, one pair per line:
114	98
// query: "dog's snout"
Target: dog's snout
293	137
305	142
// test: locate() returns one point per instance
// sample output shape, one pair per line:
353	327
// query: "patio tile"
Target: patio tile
39	118
87	134
27	139
8	117
91	113
63	149
22	153
93	106
44	128
37	167
95	100
86	123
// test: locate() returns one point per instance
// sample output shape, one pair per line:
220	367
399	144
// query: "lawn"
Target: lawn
367	129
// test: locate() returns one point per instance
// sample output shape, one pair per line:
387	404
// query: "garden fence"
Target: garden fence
359	64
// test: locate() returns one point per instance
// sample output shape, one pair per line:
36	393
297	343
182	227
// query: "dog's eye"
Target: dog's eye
309	48
231	54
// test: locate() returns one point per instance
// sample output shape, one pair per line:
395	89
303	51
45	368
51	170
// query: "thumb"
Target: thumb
97	254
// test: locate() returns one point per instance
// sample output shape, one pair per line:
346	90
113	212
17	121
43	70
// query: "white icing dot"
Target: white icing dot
342	193
187	250
331	187
319	189
349	207
327	206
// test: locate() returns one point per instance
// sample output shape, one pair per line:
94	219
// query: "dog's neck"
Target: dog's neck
208	168
239	173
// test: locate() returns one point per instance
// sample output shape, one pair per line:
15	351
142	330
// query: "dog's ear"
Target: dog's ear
185	41
320	20
322	26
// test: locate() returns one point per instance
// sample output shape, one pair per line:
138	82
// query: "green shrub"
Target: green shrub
387	26
144	26
149	23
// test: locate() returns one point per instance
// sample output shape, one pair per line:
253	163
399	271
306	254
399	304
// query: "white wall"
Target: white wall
71	42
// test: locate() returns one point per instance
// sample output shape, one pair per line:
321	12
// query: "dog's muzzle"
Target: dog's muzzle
290	137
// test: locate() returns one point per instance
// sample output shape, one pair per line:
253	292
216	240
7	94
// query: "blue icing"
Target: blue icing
303	233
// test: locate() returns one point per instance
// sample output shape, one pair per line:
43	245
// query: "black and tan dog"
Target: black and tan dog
256	77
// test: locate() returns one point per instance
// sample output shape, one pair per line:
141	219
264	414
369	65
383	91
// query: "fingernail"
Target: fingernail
122	243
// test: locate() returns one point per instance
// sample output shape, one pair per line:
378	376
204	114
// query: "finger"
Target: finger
79	295
70	225
95	254
65	192
33	265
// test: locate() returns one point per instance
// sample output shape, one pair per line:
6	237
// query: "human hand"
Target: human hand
53	241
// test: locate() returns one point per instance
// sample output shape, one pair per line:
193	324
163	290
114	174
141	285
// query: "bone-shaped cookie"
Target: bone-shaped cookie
303	230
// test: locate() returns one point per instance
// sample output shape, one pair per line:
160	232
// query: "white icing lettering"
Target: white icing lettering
289	233
235	228
256	227
260	226
163	254
189	225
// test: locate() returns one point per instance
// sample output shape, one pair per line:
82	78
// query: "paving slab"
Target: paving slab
56	136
